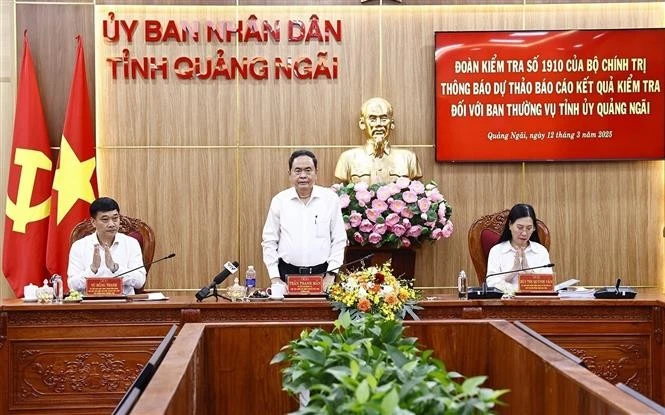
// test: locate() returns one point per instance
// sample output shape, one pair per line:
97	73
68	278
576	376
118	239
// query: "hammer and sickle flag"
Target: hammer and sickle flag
28	199
75	179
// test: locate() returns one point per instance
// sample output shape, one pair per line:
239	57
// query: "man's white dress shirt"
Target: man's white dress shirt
304	234
126	252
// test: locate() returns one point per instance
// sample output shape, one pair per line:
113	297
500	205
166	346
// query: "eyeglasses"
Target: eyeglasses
298	171
527	229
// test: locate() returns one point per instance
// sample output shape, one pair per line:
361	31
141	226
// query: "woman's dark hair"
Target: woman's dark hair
103	204
299	153
520	210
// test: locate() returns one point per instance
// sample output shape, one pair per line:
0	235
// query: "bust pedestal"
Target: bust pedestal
403	259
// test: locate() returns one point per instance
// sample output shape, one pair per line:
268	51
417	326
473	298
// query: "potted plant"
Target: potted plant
366	365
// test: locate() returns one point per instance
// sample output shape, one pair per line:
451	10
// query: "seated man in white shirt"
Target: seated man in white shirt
105	253
304	232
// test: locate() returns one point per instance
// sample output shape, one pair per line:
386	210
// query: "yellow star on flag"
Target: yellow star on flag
72	179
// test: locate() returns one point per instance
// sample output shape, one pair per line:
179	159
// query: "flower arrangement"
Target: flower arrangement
398	214
374	290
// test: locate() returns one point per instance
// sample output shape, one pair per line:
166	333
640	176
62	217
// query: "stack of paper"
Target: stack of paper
576	292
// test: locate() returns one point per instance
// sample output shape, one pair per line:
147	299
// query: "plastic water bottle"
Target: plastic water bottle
462	285
56	281
250	280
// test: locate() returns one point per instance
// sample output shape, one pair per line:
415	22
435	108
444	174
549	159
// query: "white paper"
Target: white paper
566	284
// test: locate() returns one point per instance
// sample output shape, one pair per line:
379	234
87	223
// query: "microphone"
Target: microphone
366	257
171	255
519	270
615	292
229	268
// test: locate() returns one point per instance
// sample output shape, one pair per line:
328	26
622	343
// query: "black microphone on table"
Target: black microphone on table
363	259
615	292
229	268
171	255
484	292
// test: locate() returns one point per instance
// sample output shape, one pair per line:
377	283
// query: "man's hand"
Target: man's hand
328	280
96	259
108	259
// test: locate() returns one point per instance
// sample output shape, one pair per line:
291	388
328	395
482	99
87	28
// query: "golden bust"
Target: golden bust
377	161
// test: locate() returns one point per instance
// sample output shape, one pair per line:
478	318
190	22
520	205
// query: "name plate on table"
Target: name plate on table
305	284
536	283
103	287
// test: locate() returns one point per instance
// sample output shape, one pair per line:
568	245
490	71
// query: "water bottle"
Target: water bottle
461	285
250	280
56	281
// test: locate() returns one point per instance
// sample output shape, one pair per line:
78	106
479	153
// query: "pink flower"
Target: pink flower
436	234
424	204
358	237
374	238
397	205
408	196
366	226
392	219
406	223
363	197
379	205
347	226
360	186
442	213
406	242
417	187
380	228
372	214
399	230
383	193
434	195
447	229
344	200
355	218
394	189
414	231
406	213
402	182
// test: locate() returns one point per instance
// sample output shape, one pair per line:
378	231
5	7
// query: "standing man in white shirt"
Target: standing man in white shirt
304	232
105	253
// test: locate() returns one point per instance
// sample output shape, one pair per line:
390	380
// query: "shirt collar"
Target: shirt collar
316	192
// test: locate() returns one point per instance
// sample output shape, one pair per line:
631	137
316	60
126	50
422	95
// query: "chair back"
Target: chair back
133	227
485	233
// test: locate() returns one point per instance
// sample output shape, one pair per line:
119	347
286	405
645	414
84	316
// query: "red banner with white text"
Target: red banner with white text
550	95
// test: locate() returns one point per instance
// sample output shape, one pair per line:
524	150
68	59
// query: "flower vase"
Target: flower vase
403	259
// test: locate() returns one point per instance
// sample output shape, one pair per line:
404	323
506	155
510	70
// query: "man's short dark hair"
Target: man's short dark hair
299	153
103	204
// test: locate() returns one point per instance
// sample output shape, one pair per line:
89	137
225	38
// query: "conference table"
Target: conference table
82	357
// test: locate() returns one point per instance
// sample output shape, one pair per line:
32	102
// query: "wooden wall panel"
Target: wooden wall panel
321	112
185	195
52	29
163	112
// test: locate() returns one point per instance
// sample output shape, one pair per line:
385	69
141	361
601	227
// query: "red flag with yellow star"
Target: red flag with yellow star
75	180
29	186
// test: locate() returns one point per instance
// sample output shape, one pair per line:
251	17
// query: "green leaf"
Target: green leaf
279	357
313	355
362	393
471	385
390	402
353	365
